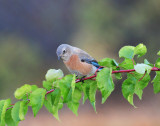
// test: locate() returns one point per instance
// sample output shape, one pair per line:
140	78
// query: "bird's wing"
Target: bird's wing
82	54
93	62
85	57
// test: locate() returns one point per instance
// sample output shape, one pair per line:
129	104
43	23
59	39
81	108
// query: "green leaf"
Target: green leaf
138	91
54	74
33	87
56	96
157	63
134	84
56	84
146	62
47	85
142	68
73	107
15	112
48	103
130	51
89	90
9	120
118	75
158	53
127	52
37	99
60	104
4	104
107	62
65	87
127	64
128	88
73	84
79	86
92	94
105	83
77	96
55	111
74	103
23	109
85	88
20	92
53	102
142	82
156	83
19	111
140	50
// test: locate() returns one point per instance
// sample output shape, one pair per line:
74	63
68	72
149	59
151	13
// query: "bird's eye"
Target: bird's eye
64	51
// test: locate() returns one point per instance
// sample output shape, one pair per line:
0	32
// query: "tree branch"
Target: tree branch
93	76
117	71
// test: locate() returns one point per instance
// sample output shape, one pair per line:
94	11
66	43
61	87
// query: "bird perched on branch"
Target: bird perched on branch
77	61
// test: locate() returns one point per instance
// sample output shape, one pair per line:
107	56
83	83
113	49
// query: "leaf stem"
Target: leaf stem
50	91
142	77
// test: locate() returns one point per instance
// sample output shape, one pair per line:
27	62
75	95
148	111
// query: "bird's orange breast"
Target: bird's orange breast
75	64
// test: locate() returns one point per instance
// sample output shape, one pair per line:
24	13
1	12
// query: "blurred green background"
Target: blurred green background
30	32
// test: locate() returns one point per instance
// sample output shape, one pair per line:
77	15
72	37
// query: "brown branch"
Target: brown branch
117	71
93	76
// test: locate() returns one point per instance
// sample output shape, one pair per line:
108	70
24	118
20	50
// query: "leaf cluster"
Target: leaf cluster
58	90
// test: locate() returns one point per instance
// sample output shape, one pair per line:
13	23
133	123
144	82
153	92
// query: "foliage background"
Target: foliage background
31	30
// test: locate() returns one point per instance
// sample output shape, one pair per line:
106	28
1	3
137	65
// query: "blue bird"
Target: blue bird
77	61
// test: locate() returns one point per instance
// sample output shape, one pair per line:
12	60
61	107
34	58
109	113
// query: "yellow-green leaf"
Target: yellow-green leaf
4	104
127	52
37	99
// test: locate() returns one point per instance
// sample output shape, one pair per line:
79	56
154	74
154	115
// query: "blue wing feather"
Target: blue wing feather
93	62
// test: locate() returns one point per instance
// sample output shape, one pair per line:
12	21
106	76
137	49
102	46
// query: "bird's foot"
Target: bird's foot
82	79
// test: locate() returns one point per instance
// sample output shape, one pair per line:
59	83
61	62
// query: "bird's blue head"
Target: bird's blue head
63	51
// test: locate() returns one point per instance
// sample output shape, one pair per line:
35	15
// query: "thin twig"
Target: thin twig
142	77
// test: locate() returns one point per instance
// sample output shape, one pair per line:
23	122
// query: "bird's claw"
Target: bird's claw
82	79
